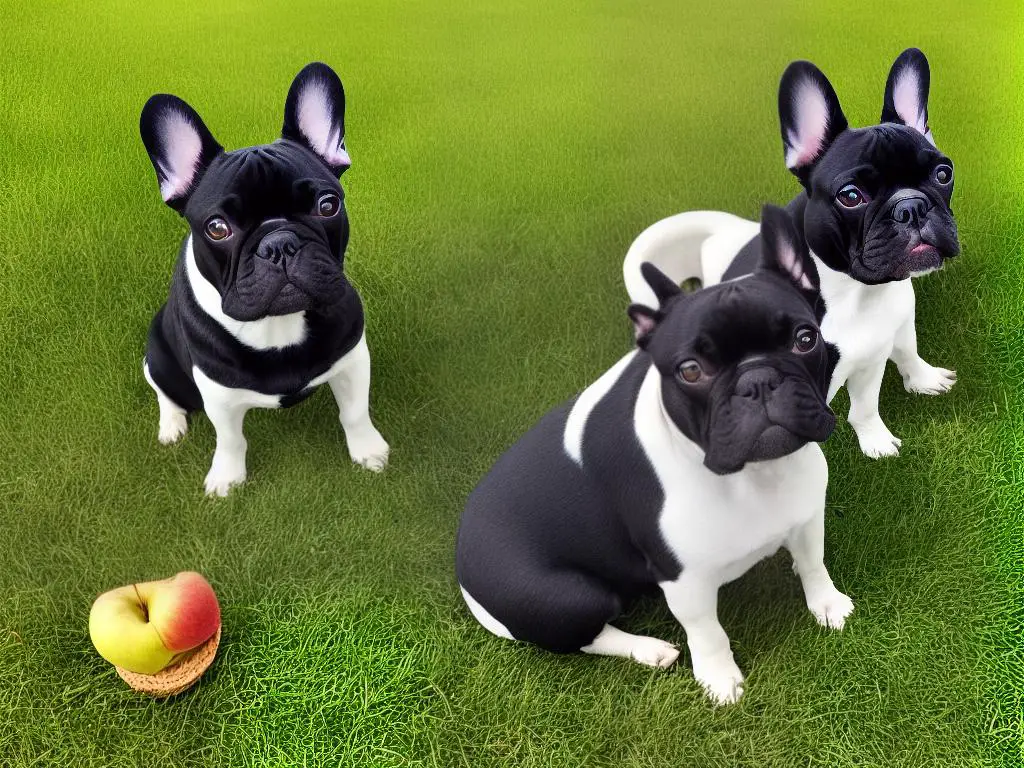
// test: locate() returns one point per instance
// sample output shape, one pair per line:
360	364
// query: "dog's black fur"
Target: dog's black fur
284	209
876	200
554	549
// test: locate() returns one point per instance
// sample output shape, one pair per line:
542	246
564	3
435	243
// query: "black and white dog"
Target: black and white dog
875	211
260	312
691	459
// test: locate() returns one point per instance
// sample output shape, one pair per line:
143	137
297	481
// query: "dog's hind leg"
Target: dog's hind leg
651	651
176	393
561	610
610	641
173	423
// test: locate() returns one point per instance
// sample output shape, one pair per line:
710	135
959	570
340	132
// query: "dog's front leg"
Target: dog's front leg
918	376
807	546
351	388
693	600
228	467
227	416
875	438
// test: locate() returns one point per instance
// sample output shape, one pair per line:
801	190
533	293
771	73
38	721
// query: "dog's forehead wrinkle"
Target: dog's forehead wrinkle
890	157
903	151
263	178
730	329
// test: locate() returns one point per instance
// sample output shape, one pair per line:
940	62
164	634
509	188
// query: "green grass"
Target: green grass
505	155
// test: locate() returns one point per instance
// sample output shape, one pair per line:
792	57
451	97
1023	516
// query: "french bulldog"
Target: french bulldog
875	210
260	312
688	461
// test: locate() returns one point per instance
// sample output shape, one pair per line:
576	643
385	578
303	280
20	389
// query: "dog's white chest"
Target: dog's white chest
726	523
218	394
267	333
861	320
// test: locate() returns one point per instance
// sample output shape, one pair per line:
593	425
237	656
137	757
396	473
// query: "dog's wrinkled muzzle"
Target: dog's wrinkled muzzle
768	414
911	235
281	269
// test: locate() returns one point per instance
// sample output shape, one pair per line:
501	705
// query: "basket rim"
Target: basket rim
177	677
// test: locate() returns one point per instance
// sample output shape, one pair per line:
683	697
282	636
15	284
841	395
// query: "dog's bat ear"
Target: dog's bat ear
809	115
663	286
180	146
314	115
784	251
645	320
906	93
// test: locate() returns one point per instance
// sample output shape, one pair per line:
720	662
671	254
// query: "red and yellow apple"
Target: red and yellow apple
145	627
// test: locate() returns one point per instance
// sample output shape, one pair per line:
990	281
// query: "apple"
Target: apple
145	627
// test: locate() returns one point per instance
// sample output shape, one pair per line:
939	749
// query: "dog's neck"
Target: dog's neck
651	414
839	288
274	332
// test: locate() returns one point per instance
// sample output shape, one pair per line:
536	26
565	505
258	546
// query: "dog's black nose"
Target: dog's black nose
909	210
278	245
756	383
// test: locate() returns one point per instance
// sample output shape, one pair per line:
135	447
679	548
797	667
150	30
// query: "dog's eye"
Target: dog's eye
328	205
943	174
217	229
851	197
805	340
690	371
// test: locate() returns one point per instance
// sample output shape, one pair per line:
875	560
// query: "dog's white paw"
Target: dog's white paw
876	440
831	608
369	449
721	680
172	427
224	475
654	652
929	380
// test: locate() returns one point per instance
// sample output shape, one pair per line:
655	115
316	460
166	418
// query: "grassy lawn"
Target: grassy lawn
505	155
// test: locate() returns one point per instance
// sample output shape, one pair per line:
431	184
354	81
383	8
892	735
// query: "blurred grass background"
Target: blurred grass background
505	155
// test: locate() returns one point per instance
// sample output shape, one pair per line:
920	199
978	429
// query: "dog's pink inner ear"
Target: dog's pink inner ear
316	122
791	264
642	324
807	137
183	148
906	99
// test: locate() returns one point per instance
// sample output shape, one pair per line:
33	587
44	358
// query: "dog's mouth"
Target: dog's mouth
889	250
915	258
246	308
920	259
291	299
773	443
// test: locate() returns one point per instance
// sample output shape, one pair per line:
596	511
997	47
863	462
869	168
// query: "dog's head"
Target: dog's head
744	370
269	227
878	203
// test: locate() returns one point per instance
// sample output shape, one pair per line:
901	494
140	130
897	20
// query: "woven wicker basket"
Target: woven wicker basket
178	677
